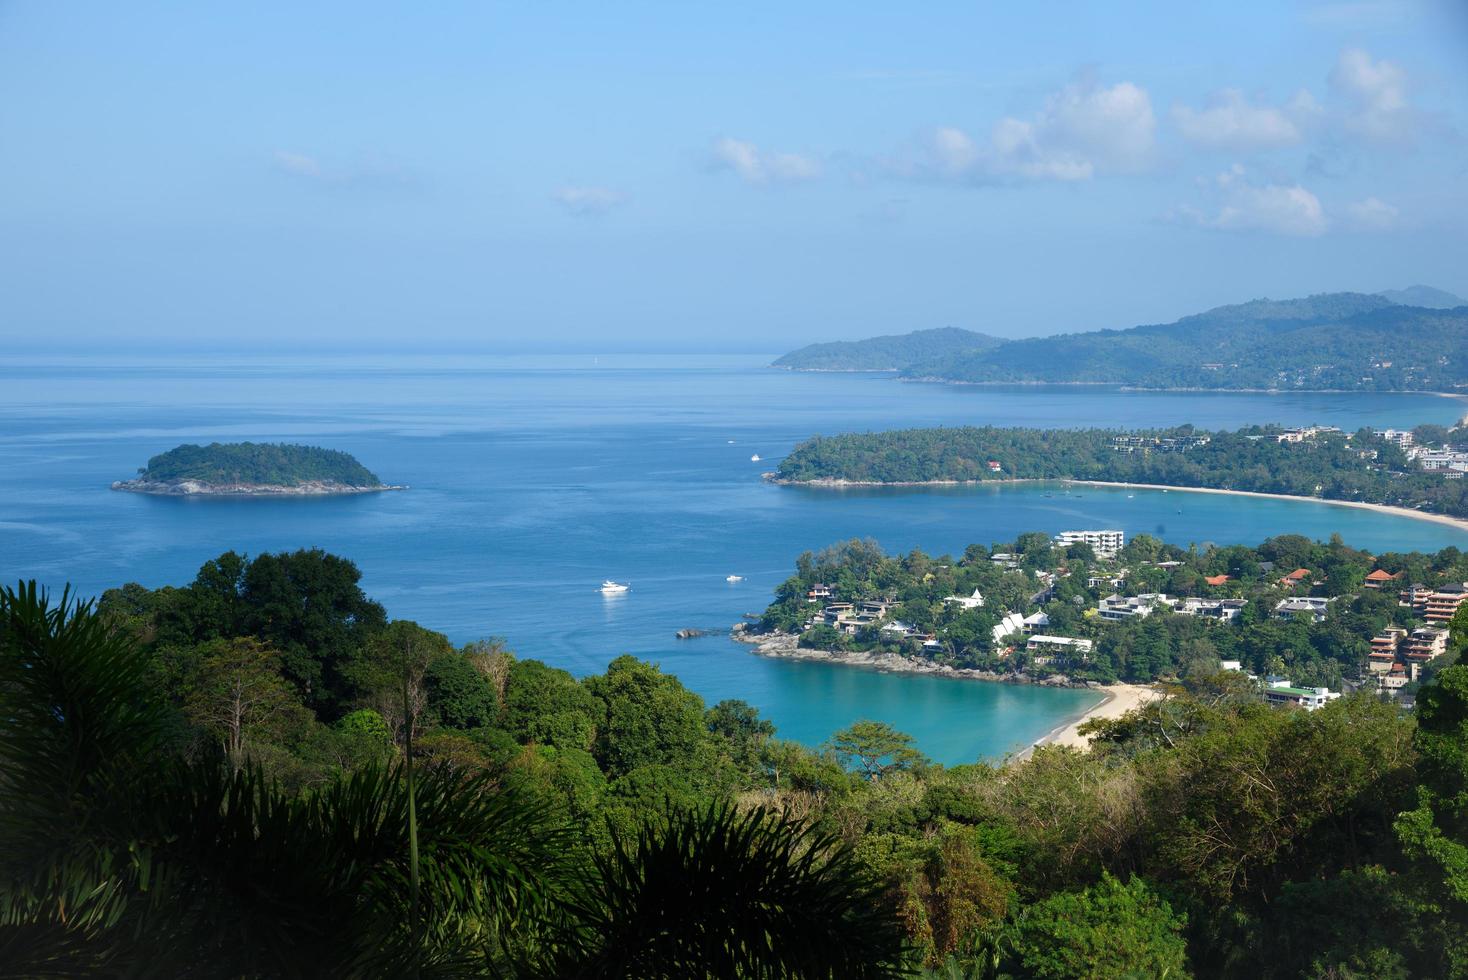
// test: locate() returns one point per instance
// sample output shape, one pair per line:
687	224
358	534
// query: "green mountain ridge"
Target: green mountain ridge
1340	341
888	353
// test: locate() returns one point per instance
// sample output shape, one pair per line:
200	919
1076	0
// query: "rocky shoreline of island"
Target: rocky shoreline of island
786	646
831	483
197	488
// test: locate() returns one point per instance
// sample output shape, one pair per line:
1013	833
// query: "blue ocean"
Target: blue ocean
533	478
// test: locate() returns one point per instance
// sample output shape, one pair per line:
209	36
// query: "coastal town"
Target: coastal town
1305	622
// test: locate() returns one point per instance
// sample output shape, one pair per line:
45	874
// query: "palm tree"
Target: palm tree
119	854
123	855
714	892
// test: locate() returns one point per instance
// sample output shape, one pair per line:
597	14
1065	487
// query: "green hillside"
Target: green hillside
890	353
1347	341
259	463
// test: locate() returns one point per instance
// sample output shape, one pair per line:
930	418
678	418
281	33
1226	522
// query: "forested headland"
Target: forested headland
260	774
930	617
1362	466
1330	341
891	353
246	465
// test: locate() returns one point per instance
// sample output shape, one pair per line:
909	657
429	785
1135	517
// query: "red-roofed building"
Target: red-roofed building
1378	579
1216	579
1296	577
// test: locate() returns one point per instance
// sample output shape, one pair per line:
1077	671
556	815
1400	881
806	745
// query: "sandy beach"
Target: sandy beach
1457	522
1120	698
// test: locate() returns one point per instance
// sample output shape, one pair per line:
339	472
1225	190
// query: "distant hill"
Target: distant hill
890	353
1424	296
1347	341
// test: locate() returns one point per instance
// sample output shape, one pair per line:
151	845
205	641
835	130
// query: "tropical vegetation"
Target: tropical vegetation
1360	466
257	464
259	774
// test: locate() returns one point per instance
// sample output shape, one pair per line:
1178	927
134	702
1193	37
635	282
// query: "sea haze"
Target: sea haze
534	478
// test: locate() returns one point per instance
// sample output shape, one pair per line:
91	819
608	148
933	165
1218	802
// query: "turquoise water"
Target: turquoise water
534	478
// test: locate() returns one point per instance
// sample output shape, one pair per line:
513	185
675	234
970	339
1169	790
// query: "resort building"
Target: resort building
1313	606
1444	603
1279	691
1115	608
1392	682
819	592
1107	581
1035	622
1384	649
1426	643
1106	544
1011	625
1224	610
1414	597
1044	650
1402	437
974	601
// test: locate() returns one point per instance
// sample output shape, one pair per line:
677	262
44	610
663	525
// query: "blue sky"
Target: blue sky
701	176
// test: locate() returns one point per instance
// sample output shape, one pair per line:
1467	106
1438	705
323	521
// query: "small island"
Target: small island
246	469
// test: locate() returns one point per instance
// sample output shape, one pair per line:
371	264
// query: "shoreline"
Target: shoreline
1390	509
1421	515
784	646
1116	699
193	488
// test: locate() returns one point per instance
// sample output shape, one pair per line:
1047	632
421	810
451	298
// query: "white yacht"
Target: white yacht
754	458
612	588
733	578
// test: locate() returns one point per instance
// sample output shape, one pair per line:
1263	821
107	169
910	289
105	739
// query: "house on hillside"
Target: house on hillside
1379	579
1313	606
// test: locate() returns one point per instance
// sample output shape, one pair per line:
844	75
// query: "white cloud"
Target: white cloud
758	166
298	163
369	172
1241	205
1373	214
1082	130
1230	122
1376	95
587	201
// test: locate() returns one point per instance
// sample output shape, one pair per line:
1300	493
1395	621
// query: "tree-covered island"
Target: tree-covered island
253	468
1421	470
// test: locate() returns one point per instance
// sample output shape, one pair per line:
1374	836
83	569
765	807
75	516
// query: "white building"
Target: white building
975	601
1105	543
1309	698
1313	606
1115	608
1226	610
1011	624
1047	649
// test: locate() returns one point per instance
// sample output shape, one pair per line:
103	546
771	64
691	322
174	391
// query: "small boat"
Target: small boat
613	588
754	458
1130	496
733	578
